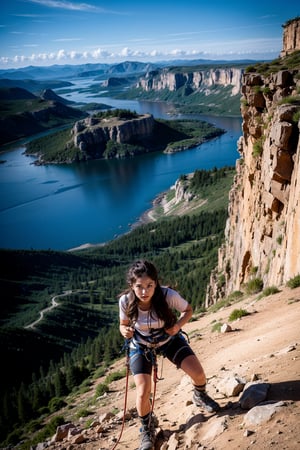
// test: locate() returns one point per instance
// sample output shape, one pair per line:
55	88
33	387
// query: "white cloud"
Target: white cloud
72	6
126	52
30	16
64	5
61	54
75	55
101	55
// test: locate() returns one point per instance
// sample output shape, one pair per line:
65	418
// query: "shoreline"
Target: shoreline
144	219
147	216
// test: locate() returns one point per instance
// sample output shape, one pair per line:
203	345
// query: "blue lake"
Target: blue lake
64	206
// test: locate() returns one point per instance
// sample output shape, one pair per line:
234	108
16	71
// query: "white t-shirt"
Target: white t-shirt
149	328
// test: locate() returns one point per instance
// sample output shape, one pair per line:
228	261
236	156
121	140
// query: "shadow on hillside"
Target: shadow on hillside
285	390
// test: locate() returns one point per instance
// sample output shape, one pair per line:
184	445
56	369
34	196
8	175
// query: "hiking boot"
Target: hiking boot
200	398
147	439
148	432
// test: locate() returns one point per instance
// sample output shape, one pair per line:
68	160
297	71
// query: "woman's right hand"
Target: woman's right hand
126	331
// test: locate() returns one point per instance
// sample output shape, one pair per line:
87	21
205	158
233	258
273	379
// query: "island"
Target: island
119	134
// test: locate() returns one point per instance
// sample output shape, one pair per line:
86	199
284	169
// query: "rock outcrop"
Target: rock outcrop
291	36
92	133
262	236
182	193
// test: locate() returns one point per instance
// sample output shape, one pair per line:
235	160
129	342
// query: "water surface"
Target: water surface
65	206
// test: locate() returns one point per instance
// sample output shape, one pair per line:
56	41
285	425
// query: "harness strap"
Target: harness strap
185	334
155	338
144	349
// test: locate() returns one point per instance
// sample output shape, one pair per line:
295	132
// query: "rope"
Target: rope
125	400
155	380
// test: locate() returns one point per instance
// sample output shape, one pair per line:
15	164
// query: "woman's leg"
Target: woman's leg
143	391
192	367
143	406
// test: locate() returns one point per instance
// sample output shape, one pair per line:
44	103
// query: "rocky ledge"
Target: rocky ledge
94	132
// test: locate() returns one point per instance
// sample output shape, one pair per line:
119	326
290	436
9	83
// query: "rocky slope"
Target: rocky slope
258	350
262	236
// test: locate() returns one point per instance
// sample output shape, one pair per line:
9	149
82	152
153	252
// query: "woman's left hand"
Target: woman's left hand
173	330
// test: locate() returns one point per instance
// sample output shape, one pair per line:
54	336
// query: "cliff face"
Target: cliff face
262	236
291	37
194	80
92	132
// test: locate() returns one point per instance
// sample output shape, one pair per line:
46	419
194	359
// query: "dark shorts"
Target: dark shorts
141	358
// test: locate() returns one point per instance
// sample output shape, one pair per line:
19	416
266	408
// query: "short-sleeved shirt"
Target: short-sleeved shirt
148	327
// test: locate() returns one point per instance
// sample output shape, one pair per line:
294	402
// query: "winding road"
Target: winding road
45	310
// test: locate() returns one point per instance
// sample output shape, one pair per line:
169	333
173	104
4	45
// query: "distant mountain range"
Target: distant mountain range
32	85
65	72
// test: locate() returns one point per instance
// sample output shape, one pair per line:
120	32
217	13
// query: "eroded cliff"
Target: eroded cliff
92	134
262	236
192	80
291	36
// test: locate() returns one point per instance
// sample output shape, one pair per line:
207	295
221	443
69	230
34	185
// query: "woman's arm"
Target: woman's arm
125	329
182	320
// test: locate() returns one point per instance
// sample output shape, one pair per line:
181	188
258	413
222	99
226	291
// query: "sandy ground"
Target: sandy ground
257	345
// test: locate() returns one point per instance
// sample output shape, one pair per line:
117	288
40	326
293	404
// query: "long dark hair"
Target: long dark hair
159	304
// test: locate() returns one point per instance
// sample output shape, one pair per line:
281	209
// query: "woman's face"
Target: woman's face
144	288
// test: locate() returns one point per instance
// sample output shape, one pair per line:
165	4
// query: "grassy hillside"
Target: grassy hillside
219	102
34	86
289	62
24	114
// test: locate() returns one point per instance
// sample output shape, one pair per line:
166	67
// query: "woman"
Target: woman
148	320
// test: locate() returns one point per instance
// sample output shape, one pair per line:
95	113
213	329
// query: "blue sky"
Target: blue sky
46	32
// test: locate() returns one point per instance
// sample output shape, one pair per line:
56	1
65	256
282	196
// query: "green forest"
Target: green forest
77	339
